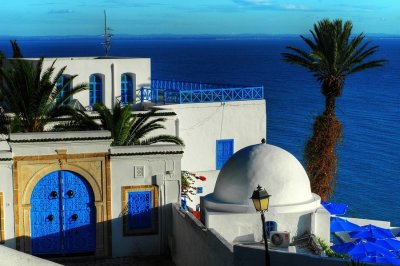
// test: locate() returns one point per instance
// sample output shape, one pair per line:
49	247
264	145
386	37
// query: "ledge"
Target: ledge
140	150
60	136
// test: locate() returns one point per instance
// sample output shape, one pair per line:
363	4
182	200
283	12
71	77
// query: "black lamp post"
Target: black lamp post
260	199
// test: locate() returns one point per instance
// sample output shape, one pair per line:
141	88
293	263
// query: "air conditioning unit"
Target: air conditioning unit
280	239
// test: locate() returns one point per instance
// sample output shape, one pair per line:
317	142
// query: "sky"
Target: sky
192	17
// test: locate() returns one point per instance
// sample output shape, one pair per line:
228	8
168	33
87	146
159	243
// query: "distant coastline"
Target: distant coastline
177	36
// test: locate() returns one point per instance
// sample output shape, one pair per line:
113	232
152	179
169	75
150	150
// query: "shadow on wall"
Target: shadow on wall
137	233
304	224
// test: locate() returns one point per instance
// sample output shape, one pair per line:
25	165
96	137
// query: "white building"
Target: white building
293	208
71	192
213	120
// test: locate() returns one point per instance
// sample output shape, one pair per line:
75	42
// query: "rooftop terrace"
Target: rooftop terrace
178	92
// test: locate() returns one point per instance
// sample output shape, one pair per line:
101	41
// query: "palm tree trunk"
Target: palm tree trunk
320	154
330	104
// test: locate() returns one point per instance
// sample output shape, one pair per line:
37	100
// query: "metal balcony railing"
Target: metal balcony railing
176	92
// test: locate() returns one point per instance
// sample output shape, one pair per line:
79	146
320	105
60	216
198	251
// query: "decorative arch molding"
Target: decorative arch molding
26	198
93	167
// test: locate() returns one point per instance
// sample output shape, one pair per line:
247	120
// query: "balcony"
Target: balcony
178	92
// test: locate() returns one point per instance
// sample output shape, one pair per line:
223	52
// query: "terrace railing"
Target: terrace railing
175	92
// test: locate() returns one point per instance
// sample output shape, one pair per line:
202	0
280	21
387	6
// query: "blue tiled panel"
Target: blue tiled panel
139	210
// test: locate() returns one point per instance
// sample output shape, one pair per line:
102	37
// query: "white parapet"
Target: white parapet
12	257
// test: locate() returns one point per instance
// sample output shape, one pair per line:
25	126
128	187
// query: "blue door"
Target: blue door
62	215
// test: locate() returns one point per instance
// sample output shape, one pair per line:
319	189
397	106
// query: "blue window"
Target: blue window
270	226
224	151
64	83
199	190
126	88
95	89
140	210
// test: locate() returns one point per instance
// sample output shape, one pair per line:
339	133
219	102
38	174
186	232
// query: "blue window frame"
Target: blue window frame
95	89
270	226
61	82
126	88
140	209
224	151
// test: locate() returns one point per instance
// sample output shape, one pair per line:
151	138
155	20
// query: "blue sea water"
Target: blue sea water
369	157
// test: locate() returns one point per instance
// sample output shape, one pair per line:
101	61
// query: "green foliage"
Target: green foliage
129	129
329	252
29	92
17	53
332	55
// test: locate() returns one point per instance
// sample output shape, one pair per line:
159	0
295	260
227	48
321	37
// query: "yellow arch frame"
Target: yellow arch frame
94	168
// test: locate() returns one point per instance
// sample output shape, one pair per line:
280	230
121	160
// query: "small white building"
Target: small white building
71	193
293	207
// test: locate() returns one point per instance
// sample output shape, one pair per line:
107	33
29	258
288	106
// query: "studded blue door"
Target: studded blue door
62	215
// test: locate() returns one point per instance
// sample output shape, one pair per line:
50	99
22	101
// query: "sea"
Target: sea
368	178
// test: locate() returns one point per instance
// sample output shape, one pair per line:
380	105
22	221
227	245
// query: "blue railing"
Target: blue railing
175	92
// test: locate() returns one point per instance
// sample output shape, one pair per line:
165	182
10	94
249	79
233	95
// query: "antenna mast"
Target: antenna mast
107	36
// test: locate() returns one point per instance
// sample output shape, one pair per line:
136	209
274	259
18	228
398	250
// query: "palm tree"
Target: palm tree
130	129
30	92
333	56
17	53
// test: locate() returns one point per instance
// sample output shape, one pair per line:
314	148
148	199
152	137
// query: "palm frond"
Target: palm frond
160	138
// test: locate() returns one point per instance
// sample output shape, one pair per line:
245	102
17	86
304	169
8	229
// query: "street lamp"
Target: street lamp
260	199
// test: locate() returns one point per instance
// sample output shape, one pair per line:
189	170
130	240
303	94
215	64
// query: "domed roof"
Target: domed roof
275	169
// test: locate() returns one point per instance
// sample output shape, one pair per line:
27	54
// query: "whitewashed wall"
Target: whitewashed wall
11	257
160	170
110	68
246	227
200	125
195	245
6	186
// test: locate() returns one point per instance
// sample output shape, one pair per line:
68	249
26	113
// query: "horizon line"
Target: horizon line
209	35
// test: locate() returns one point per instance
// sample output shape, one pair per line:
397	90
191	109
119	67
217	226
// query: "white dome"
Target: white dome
271	167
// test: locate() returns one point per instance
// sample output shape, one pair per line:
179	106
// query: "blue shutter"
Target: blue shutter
224	151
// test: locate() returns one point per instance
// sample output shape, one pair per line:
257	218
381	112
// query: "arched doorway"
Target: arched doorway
62	215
